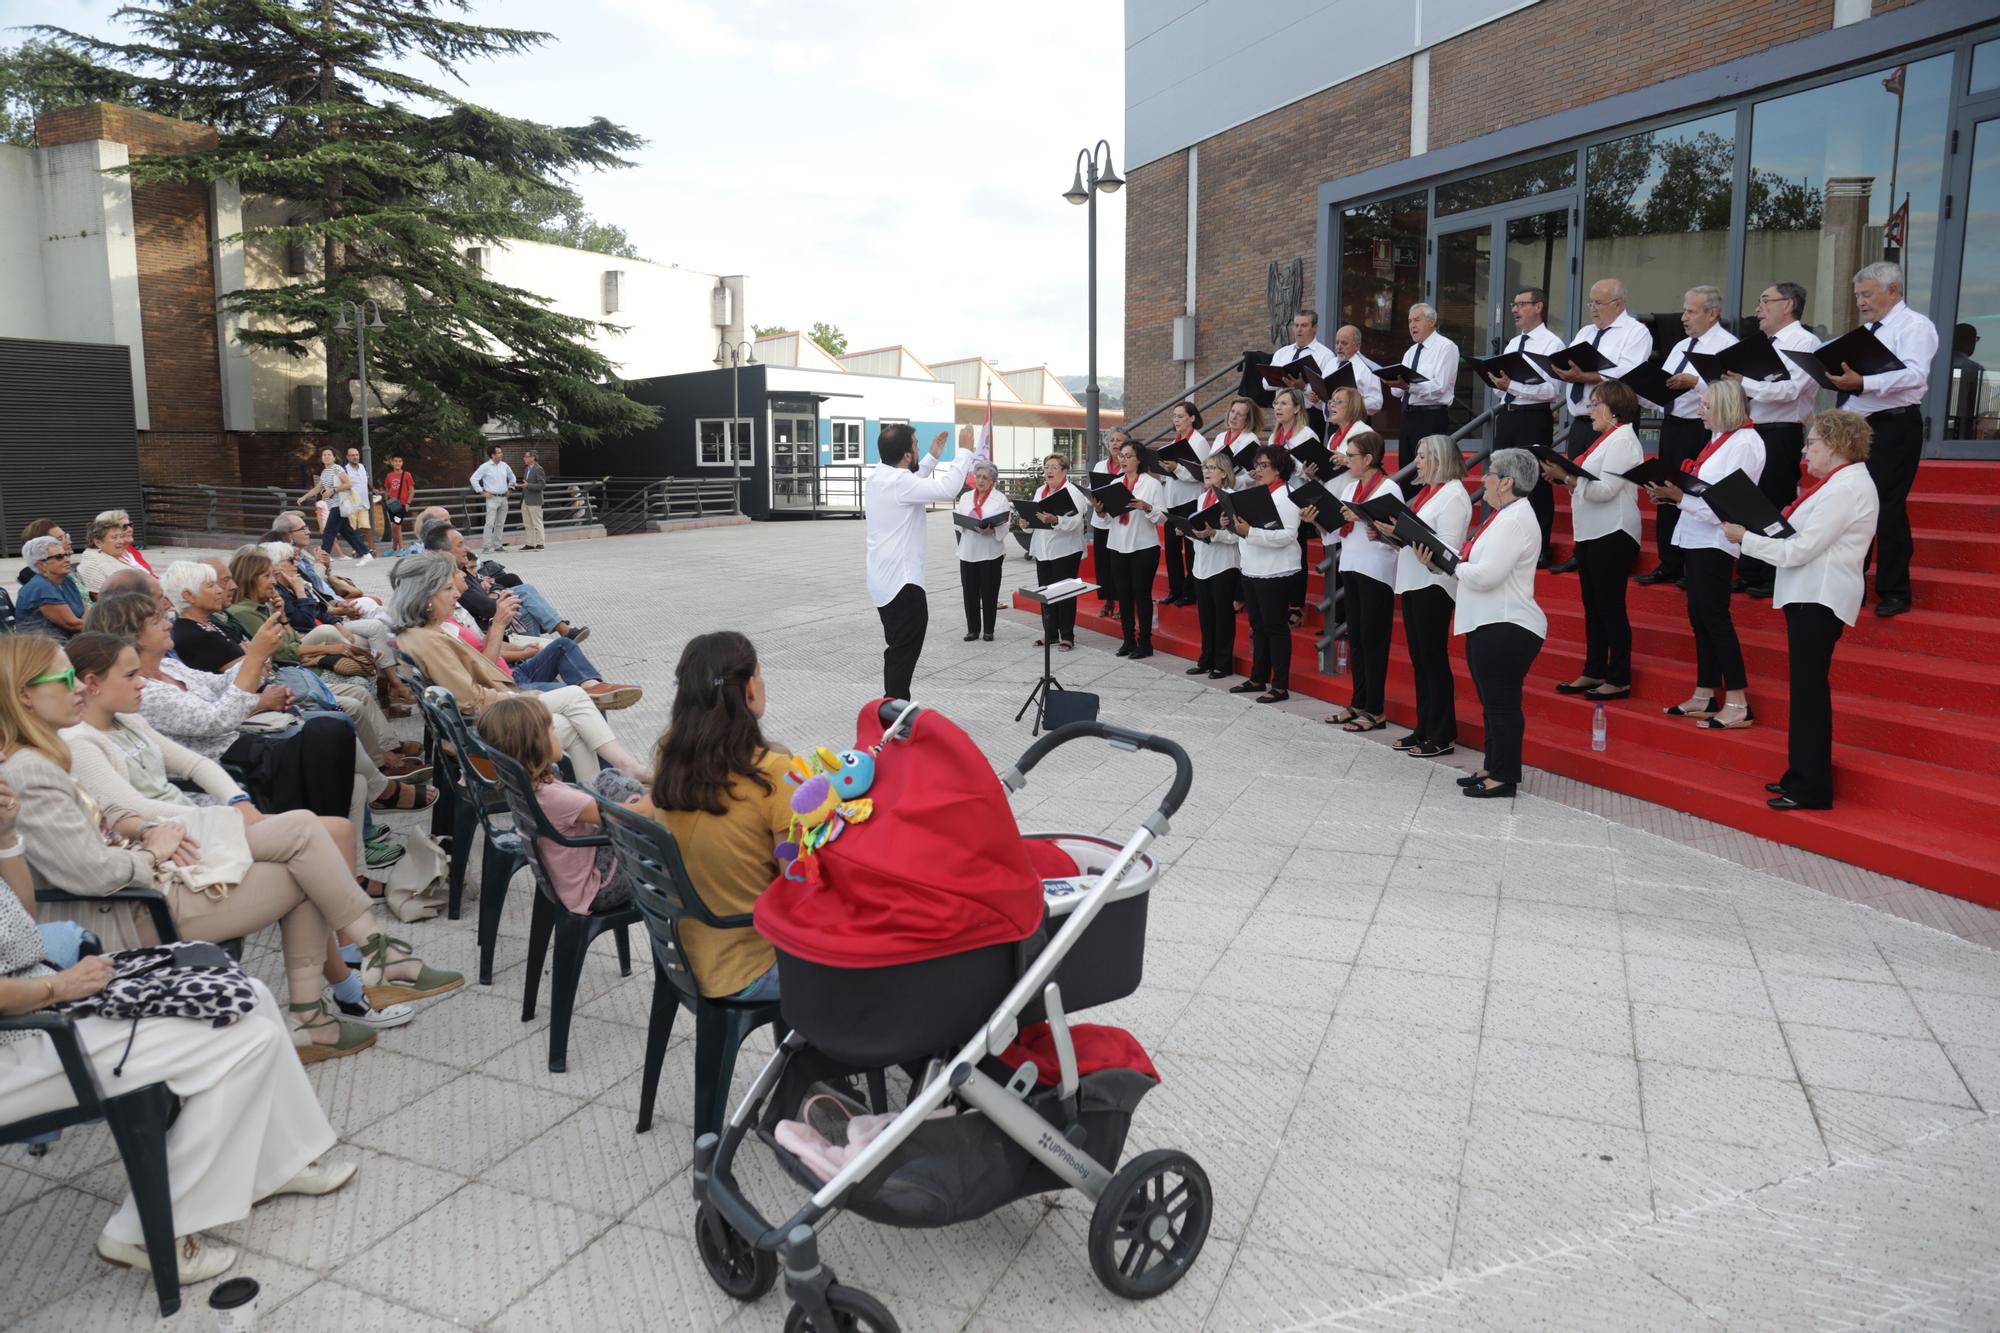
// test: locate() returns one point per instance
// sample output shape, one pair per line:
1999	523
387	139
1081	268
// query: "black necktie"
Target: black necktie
1840	399
1687	354
1576	390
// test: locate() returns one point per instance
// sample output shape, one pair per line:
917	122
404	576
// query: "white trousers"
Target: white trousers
496	521
249	1120
580	728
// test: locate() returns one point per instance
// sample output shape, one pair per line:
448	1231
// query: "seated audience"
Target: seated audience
49	602
110	551
47	527
587	879
534	616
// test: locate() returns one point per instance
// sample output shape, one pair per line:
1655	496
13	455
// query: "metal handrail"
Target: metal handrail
1132	424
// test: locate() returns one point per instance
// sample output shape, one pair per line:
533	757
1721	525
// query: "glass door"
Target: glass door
1480	268
1965	385
794	455
1466	307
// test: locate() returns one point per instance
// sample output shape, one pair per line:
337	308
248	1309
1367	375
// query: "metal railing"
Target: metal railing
1234	368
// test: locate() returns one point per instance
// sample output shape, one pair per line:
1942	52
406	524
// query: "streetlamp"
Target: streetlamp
735	356
1090	178
367	315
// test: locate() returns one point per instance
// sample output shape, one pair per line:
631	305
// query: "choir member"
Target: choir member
982	555
1183	483
1445	507
1779	409
1426	405
1681	432
1133	550
1524	414
1367	567
1057	550
1217	561
1266	562
1604	520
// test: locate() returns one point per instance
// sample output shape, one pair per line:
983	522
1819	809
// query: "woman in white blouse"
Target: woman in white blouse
1133	549
1709	559
1057	550
1102	471
1819	586
1445	507
1367	570
1217	569
108	551
1239	434
1289	430
982	555
1497	614
1267	574
1183	483
1604	523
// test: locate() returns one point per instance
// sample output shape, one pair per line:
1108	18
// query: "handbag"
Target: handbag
309	692
225	852
192	979
354	666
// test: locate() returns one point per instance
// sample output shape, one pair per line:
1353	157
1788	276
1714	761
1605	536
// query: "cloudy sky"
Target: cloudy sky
895	167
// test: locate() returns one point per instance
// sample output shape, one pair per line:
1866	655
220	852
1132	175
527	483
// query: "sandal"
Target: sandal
1732	717
1697	706
384	990
403	796
1341	718
349	1038
1364	723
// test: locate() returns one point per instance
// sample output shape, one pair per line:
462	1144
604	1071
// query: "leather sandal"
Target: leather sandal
384	990
349	1039
403	796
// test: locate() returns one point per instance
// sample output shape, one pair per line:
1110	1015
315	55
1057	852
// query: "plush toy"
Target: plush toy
831	794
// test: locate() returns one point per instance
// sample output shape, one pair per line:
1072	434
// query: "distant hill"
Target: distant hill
1110	388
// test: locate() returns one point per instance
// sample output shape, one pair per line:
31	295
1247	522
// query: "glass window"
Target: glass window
1843	175
1985	67
1508	184
846	441
1656	216
712	446
1068	443
1972	405
1381	274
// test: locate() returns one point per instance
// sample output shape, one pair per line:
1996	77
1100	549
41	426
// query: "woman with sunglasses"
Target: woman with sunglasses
1268	569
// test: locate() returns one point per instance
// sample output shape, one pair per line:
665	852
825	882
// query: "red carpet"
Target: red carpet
1916	708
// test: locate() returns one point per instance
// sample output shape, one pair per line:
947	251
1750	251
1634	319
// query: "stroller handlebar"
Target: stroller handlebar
1123	737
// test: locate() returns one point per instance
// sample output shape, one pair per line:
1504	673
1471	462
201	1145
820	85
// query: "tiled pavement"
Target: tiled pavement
1449	1065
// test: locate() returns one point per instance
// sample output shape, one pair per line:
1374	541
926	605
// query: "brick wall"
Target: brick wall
1155	279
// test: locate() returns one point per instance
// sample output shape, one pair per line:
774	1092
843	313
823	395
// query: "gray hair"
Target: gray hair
1447	463
1312	315
279	553
419	578
116	517
1616	286
37	549
1515	465
1426	309
983	466
1711	297
1882	273
1794	293
181	580
435	535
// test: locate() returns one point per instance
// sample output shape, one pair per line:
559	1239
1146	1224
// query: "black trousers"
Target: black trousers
1099	539
1811	631
1892	462
1498	657
1603	564
1296	585
311	769
1784	442
1369	607
339	529
979	580
1176	552
1718	657
1215	605
1270	632
1517	428
904	622
1681	441
1427	630
1135	591
1417	423
1059	621
1576	440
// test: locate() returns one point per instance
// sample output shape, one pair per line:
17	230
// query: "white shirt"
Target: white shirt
1542	339
1229	446
1436	359
1625	344
357	475
1273	553
1100	472
1789	400
1611	503
982	546
1139	530
1823	560
493	477
1358	555
1322	357
1185	485
1699	528
1448	513
1914	340
1688	405
893	498
1221	552
1366	382
1300	435
1066	537
1497	585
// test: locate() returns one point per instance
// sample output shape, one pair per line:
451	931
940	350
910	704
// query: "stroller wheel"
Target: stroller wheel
738	1267
854	1311
1150	1223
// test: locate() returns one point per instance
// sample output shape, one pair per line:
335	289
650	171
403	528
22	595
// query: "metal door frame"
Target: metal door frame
1969	112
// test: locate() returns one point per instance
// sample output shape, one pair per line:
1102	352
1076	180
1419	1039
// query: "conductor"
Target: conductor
894	499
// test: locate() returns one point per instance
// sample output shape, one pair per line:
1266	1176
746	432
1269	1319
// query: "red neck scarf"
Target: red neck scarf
1282	437
979	503
1362	492
1334	443
1126	482
1207	497
1275	487
1598	441
1693	466
1812	486
1465	551
1046	491
1424	496
1229	438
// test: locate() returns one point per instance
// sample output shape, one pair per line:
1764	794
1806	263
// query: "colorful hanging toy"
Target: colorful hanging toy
832	792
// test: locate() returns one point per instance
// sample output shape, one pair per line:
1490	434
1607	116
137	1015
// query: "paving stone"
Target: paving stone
1868	1062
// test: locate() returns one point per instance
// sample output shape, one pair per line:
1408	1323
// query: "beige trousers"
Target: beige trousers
580	728
356	696
531	519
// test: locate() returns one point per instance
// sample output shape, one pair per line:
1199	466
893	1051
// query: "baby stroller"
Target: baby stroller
967	931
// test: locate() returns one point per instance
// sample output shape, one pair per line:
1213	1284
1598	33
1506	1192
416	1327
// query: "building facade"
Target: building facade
1474	147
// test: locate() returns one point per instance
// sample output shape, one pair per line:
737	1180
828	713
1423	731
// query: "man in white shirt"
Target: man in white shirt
1347	352
1525	413
362	521
1681	433
1893	404
493	481
1779	409
1619	339
1305	343
893	498
1425	405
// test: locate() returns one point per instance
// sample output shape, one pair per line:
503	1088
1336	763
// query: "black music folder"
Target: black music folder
1174	451
1548	455
1059	504
1241	460
986	524
1410	530
1395	372
1113	496
1515	366
1857	349
1252	384
1649	379
1192	515
1754	358
1577	356
1311	495
1303	368
1254	506
1736	499
1658	472
1315	453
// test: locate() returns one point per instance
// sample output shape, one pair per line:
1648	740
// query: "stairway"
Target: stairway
1916	706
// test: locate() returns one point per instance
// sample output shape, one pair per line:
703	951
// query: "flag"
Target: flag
1894	83
982	451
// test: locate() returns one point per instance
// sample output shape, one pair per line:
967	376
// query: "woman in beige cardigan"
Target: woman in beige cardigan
426	592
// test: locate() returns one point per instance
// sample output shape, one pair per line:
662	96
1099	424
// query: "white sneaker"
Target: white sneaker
364	560
198	1258
318	1178
366	1014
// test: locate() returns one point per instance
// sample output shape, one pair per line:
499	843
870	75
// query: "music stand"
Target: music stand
1038	697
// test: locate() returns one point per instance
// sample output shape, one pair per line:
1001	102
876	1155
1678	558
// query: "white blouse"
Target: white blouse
1823	561
1182	488
1230	446
1699	528
1066	537
1611	503
979	547
1448	513
1100	472
1273	553
1301	435
1135	531
1221	552
1496	585
1358	555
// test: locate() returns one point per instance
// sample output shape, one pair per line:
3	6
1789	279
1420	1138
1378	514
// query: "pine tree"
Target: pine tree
388	178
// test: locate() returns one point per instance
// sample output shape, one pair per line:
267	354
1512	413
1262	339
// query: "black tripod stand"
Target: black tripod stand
1038	698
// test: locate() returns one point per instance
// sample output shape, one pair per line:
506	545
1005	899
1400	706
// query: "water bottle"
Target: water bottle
1597	728
1340	657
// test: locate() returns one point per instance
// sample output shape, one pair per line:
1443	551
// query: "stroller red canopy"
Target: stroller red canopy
939	867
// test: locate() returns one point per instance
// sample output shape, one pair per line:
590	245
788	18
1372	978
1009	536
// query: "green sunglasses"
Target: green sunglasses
66	676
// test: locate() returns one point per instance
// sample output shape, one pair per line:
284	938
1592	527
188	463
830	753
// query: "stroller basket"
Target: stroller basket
958	1167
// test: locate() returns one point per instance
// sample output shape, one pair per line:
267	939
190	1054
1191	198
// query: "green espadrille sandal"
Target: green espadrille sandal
353	1038
384	990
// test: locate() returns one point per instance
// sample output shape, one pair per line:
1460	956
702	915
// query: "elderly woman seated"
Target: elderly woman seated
110	550
425	593
50	602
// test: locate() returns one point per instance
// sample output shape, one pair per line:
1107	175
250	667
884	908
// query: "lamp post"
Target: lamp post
1090	178
367	315
735	356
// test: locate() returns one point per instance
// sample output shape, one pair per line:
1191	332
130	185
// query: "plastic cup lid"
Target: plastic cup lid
236	1291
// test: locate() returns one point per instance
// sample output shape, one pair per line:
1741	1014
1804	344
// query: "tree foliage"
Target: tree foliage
1655	185
831	340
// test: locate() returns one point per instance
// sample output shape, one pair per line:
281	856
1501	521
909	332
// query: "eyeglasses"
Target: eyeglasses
1523	305
1602	305
1773	300
67	677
